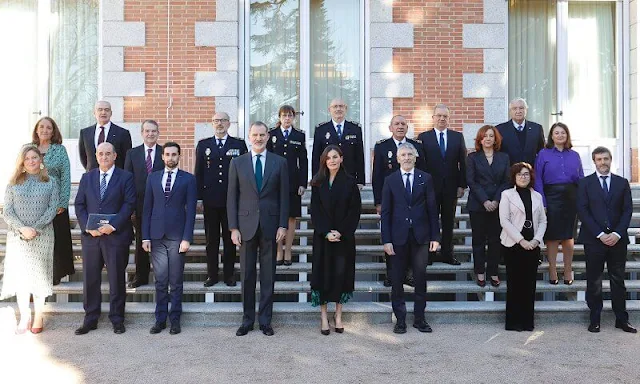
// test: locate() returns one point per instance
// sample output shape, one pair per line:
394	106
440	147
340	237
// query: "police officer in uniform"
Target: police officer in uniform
213	156
346	135
384	164
289	142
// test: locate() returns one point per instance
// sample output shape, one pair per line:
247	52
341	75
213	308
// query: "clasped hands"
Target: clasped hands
106	229
28	233
184	246
236	237
609	239
529	245
490	206
333	236
388	247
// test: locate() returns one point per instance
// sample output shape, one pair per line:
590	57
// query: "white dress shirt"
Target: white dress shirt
516	125
97	132
335	126
263	159
109	174
152	154
401	142
445	137
174	172
224	139
411	175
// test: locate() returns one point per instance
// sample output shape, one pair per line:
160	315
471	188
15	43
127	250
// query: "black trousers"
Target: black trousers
62	247
143	265
485	234
616	258
522	268
446	202
215	219
418	256
259	248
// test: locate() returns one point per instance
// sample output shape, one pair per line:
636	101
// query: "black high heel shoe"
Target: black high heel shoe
338	330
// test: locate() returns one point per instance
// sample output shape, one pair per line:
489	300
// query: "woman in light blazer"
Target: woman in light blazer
523	222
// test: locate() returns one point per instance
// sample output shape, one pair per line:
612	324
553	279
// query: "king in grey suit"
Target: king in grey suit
258	212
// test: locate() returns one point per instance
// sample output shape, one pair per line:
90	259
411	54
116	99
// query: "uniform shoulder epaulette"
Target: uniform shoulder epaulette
417	141
354	123
323	123
273	129
383	140
299	130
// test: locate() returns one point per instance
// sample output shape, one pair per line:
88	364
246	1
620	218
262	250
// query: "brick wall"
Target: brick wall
438	60
184	60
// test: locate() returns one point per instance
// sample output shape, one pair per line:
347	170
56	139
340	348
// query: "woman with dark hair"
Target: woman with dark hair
558	169
523	224
47	137
335	213
487	177
30	204
290	143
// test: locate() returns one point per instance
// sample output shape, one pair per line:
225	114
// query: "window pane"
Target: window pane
335	57
592	69
73	87
532	57
274	77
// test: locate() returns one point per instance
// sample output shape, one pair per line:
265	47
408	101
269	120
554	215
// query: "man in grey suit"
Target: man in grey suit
257	210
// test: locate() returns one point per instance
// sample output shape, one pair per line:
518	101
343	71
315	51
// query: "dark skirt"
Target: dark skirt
561	211
295	204
333	270
522	268
62	250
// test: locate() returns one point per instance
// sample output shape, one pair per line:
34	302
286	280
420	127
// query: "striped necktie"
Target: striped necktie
167	185
103	186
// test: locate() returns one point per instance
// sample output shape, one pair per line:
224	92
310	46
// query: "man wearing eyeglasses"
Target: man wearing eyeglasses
213	156
346	135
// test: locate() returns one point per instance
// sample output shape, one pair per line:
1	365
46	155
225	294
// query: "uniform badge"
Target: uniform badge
327	136
390	154
207	151
295	142
390	166
274	139
233	152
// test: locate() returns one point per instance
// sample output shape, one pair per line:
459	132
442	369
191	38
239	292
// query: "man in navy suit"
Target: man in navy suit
103	130
521	139
446	161
141	161
410	230
105	190
605	208
167	228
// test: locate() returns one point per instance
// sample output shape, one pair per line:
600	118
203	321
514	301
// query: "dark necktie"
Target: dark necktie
407	188
605	187
520	128
103	186
167	185
286	134
442	148
148	162
220	145
339	128
258	172
101	136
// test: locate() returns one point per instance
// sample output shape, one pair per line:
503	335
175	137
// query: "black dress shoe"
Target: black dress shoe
175	329
135	283
400	328
325	332
451	260
210	282
481	283
423	326
157	328
626	327
279	262
288	263
495	283
410	281
387	282
230	282
429	262
86	328
119	328
594	328
267	330
244	329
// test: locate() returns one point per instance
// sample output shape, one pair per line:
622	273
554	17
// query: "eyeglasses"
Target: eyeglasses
220	120
441	116
523	175
342	106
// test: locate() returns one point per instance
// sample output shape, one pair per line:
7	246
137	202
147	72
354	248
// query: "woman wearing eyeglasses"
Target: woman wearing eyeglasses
523	222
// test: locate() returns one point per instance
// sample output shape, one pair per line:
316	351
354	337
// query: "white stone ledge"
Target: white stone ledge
216	84
113	59
123	84
484	35
496	11
495	110
381	60
391	85
495	60
381	11
216	34
227	10
381	110
134	130
483	85
227	58
112	10
123	34
117	108
391	35
469	132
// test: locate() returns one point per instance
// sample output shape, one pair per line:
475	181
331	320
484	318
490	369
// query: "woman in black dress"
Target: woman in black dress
335	213
523	222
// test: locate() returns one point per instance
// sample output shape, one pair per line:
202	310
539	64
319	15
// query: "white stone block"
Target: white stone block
228	105
391	35
381	110
216	34
381	11
381	60
633	89
123	34
495	60
379	131
227	58
496	11
495	110
633	11
633	36
633	111
392	85
123	84
113	59
484	35
117	108
633	60
469	131
134	130
112	10
216	84
484	85
227	10
202	131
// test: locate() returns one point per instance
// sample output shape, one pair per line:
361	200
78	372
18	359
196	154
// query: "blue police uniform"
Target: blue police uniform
350	143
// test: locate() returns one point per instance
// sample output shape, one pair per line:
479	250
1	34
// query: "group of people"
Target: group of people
251	199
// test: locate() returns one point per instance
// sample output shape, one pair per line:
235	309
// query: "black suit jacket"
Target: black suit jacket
385	163
294	150
511	145
118	136
135	162
598	212
351	145
448	173
486	182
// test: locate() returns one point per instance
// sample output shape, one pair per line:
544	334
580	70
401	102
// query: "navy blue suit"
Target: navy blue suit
600	212
511	145
410	226
118	136
110	250
167	222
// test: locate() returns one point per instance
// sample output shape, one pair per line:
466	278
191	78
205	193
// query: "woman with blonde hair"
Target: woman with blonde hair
30	205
